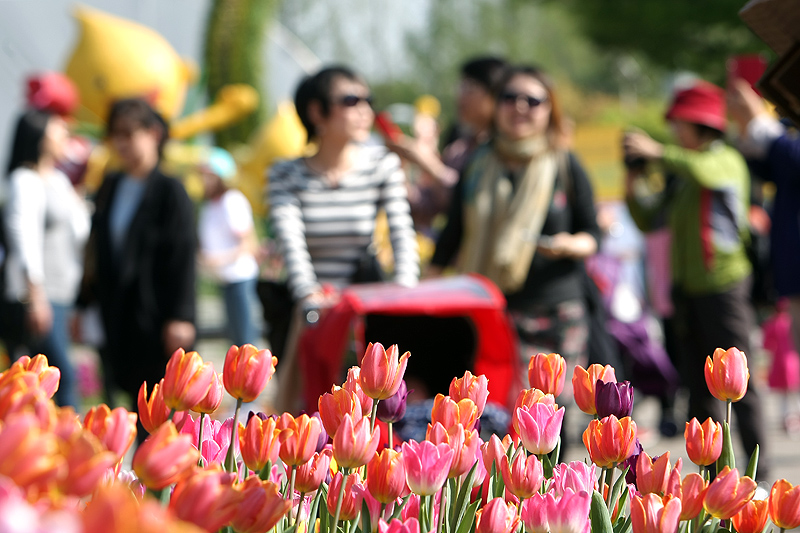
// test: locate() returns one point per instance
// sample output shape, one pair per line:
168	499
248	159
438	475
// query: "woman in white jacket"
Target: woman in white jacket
46	225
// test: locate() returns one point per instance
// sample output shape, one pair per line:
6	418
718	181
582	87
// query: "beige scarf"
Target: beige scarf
502	226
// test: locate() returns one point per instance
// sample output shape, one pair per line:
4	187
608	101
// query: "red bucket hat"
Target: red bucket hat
702	104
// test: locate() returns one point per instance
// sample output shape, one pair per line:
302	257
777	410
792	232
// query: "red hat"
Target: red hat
702	104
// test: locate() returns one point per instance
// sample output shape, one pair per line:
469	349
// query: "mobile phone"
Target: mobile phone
749	67
387	128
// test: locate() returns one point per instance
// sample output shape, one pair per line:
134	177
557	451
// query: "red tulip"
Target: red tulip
259	442
654	514
784	504
523	476
165	457
153	412
116	429
728	493
354	445
497	517
351	498
298	438
476	388
583	385
752	518
186	380
703	441
247	371
334	405
207	499
547	372
213	399
386	476
310	475
727	374
381	371
449	413
261	506
610	441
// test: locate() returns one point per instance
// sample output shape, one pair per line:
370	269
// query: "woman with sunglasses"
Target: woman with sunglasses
323	207
523	215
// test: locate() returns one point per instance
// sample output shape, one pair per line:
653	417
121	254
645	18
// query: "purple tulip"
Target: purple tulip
613	399
393	409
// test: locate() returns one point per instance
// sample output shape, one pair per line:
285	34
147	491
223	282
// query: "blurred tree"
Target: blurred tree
233	54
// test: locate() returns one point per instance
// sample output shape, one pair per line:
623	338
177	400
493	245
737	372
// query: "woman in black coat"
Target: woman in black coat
141	262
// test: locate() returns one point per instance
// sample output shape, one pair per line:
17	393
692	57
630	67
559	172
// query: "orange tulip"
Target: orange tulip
654	514
703	441
528	397
523	476
259	442
353	384
652	477
610	441
153	412
310	475
547	372
584	381
476	388
247	371
449	412
752	518
784	504
334	405
87	463
727	374
261	506
386	476
351	499
465	444
382	371
186	380
116	429
49	376
728	493
691	491
165	457
298	438
29	456
213	399
354	445
207	499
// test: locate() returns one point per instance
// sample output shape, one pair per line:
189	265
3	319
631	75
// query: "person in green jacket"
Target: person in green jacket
705	206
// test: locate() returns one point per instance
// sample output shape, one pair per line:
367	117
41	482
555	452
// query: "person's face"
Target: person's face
523	109
475	105
686	134
350	114
134	144
56	137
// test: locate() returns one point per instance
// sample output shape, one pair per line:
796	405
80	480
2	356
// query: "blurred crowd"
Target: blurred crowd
652	283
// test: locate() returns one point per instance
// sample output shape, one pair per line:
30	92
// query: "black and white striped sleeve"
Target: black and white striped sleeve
287	221
394	200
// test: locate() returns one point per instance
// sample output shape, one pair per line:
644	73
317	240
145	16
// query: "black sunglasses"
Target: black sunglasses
509	97
352	100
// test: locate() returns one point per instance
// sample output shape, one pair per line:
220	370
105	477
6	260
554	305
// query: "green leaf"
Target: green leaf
752	466
469	517
726	458
601	521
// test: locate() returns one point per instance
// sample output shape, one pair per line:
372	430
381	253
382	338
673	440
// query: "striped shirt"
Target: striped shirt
325	231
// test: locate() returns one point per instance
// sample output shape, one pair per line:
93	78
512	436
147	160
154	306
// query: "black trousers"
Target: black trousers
721	320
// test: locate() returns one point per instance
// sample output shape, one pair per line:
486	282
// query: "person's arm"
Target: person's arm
449	242
394	200
290	232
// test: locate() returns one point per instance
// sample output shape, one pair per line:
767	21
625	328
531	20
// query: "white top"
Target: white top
222	224
47	225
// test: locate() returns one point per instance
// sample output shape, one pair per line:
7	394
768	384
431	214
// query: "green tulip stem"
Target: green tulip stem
609	479
230	457
728	419
374	416
391	435
441	509
335	523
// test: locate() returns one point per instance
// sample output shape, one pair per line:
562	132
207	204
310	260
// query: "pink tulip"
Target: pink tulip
354	445
539	427
576	475
523	476
497	517
652	477
247	371
396	526
472	387
654	514
206	499
534	513
116	429
382	370
427	466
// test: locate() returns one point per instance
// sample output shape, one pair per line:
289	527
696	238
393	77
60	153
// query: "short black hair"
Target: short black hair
484	70
139	111
28	135
317	87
